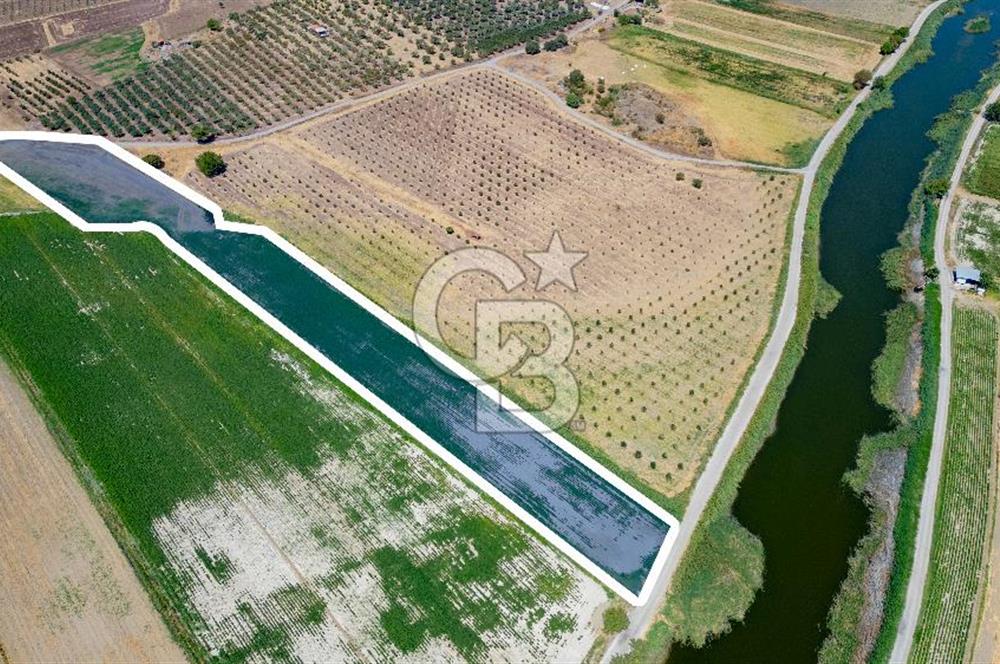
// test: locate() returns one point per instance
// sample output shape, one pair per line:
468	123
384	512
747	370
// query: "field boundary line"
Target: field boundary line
317	356
929	498
763	372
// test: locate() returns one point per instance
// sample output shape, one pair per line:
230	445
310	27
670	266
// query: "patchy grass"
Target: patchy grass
115	55
984	177
785	84
978	238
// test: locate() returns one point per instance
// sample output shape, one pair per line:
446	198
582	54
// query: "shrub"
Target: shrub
937	188
629	19
862	78
992	113
154	160
202	134
556	43
531	47
214	24
696	183
615	619
573	100
210	164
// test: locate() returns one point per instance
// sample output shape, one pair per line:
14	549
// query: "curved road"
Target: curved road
928	502
640	618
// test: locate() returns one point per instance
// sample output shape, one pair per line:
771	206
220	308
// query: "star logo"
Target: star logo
556	263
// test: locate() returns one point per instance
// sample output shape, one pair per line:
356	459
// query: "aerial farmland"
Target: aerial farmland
498	330
678	335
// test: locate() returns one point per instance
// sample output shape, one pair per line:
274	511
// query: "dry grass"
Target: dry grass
768	38
69	593
741	125
889	12
674	298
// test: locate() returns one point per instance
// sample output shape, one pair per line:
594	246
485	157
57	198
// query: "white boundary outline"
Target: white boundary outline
314	354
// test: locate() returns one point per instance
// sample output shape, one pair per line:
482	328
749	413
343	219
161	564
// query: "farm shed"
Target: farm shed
967	276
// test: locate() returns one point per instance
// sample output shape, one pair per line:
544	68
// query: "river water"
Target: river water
612	530
793	496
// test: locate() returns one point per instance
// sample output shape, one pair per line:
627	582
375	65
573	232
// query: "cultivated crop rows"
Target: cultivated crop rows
256	497
267	65
674	297
487	27
962	528
20	10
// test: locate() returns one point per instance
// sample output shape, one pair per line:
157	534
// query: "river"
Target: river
793	496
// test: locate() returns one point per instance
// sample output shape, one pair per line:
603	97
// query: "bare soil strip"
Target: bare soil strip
69	593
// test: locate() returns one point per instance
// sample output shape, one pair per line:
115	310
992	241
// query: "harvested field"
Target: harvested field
674	298
74	20
20	39
888	12
782	42
258	498
110	17
13	11
185	17
69	593
739	124
767	79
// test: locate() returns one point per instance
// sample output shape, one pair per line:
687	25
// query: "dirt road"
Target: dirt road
928	502
642	617
69	594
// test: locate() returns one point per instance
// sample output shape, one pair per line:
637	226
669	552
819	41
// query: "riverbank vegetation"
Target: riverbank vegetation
729	553
253	494
913	434
966	496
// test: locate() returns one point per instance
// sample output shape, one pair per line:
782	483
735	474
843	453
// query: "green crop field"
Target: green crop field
984	177
114	55
255	496
962	531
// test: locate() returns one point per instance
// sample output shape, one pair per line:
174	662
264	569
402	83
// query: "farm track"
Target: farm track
925	528
642	617
352	103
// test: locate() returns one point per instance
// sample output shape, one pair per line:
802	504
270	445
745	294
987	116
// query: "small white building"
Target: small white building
319	30
968	278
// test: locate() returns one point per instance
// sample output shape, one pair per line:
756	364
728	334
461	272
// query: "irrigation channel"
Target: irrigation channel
793	496
609	528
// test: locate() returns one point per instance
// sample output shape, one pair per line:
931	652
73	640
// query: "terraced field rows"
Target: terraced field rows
968	484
